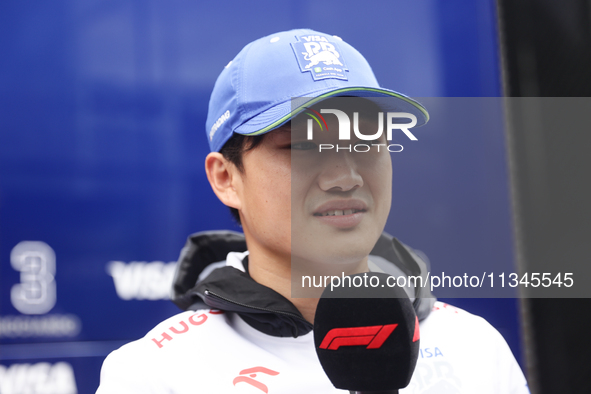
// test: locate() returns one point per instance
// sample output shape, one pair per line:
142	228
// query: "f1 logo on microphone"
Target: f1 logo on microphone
372	336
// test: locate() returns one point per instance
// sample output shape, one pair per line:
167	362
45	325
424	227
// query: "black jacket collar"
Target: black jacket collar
229	289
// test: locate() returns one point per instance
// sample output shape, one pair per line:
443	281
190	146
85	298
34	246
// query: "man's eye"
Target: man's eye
305	145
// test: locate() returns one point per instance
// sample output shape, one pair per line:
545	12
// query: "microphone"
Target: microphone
367	338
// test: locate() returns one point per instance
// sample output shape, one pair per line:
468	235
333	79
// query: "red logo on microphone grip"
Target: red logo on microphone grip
372	336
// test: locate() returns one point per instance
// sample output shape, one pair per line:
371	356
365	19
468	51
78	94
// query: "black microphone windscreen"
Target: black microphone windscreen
367	338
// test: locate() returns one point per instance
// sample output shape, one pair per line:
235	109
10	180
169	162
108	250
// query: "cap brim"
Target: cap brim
281	113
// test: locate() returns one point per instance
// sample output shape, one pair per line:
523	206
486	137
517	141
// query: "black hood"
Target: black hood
196	285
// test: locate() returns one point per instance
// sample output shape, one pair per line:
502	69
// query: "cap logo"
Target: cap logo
218	123
320	57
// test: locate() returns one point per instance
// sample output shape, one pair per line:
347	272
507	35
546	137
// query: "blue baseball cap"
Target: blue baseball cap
253	94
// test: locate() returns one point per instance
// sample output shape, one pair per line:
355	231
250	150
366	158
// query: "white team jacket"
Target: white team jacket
210	351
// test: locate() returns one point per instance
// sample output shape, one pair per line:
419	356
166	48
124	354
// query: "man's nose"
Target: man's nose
340	173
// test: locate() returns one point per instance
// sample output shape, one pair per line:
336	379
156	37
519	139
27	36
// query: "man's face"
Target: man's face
323	208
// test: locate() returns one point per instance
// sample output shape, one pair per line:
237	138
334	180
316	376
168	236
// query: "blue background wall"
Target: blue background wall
102	143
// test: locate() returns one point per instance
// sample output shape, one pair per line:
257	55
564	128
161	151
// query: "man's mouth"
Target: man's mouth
346	211
339	212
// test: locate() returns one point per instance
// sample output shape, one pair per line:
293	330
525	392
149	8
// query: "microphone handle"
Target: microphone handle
374	392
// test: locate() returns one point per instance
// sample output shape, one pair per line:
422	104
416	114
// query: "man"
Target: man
304	212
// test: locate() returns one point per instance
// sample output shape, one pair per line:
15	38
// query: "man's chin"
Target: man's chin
330	261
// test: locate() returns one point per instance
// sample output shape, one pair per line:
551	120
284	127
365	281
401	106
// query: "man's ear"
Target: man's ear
223	177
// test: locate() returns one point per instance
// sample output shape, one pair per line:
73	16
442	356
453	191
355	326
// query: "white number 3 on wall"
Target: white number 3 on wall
36	293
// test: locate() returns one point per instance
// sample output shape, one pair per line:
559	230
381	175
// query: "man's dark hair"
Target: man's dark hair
233	150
